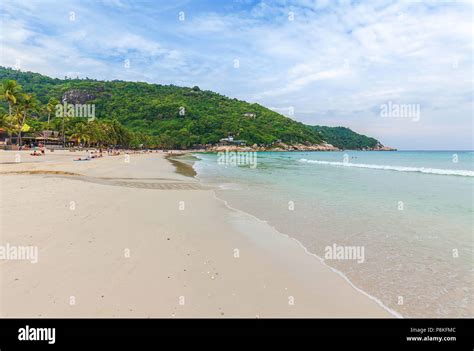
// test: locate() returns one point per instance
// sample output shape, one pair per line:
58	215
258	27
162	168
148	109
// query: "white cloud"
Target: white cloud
334	63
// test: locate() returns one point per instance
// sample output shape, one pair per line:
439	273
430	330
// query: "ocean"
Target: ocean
398	225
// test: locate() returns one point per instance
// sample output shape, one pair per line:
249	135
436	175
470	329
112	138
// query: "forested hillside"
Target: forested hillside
177	117
344	138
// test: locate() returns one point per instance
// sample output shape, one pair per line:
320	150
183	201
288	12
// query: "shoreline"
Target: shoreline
81	251
306	251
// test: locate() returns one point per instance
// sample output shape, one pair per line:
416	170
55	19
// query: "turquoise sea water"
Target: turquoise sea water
411	211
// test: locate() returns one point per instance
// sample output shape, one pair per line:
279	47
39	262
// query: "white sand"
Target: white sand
181	261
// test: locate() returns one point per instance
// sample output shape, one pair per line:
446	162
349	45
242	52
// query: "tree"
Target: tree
26	103
10	91
50	107
9	123
81	133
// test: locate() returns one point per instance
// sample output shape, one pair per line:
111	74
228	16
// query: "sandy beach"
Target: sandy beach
128	236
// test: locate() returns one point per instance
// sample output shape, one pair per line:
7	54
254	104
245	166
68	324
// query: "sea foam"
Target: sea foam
456	172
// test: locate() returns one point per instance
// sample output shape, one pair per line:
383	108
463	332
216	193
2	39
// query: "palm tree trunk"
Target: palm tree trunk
21	127
64	135
49	115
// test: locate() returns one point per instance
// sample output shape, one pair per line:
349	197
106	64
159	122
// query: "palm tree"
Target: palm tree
81	133
9	123
10	91
50	107
26	103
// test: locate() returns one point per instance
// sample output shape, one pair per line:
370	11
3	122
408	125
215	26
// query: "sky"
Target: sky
400	71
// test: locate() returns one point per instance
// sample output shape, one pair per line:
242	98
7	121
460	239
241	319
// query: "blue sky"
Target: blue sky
320	62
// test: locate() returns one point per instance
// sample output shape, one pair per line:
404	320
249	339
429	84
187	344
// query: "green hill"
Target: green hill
345	138
179	117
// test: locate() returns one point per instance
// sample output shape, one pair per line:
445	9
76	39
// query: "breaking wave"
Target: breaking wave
455	172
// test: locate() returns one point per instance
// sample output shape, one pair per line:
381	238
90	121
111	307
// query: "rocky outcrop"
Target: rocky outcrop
275	147
289	147
76	96
303	147
380	147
